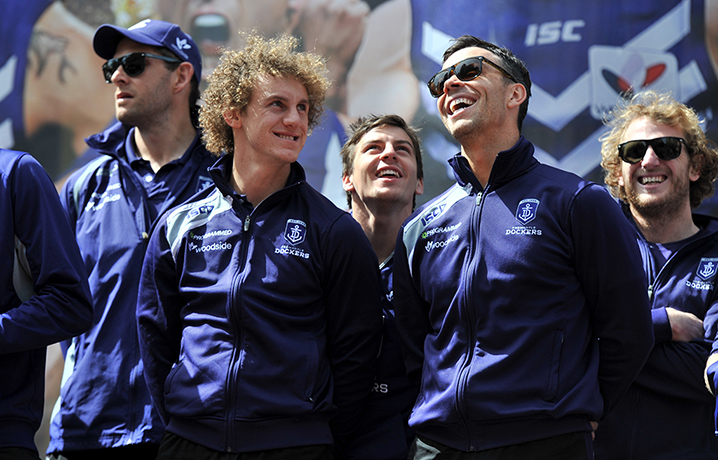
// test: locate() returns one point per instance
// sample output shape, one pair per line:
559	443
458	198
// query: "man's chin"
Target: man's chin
652	206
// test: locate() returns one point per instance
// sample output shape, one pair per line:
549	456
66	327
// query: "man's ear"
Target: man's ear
419	187
518	95
232	118
184	73
347	183
694	171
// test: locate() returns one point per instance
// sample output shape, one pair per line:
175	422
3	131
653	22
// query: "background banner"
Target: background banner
583	56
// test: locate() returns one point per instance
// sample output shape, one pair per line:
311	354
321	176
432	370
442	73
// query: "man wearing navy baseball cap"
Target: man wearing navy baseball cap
152	159
159	34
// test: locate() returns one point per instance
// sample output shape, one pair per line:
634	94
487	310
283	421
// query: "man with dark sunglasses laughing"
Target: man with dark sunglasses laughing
659	164
152	159
518	291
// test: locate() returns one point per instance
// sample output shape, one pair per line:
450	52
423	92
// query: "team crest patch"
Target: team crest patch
526	210
707	269
295	231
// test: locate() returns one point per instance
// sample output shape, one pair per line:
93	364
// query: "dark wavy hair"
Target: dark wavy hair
507	60
365	124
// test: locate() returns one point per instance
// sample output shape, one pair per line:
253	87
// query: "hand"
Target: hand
334	29
685	326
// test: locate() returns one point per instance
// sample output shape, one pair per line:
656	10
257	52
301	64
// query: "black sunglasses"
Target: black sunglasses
666	148
133	64
465	70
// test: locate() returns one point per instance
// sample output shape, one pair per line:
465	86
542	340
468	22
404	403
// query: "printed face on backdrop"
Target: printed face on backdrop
214	24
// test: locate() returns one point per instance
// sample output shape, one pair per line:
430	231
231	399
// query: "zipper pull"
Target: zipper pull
650	293
478	198
246	223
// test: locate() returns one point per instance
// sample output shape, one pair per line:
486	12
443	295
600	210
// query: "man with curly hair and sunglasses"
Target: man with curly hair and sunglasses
518	291
151	159
659	164
259	310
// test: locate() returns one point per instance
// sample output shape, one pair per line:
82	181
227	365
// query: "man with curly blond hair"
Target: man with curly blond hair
660	166
259	313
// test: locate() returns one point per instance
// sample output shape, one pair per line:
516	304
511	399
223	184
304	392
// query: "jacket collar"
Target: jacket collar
508	164
116	142
109	141
221	172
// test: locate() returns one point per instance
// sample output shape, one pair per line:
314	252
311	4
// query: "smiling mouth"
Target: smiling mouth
287	138
460	103
388	173
651	180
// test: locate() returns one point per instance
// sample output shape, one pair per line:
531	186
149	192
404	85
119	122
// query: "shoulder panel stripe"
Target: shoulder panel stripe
81	182
416	226
192	215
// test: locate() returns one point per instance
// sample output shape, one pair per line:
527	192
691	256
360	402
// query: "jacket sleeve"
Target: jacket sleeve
49	275
354	320
675	370
609	266
710	324
412	315
158	316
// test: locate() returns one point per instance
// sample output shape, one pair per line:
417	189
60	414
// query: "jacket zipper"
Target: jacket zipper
465	369
235	314
233	374
142	224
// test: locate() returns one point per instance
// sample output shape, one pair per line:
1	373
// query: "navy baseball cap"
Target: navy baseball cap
149	32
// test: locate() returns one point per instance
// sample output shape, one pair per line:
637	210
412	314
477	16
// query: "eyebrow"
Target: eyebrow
283	98
368	141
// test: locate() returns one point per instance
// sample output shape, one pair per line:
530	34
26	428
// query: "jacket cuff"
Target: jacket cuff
661	325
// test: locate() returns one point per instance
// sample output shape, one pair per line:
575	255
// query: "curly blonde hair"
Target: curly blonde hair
662	109
232	83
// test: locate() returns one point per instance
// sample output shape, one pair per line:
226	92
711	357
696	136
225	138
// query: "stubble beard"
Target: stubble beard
463	130
651	207
148	109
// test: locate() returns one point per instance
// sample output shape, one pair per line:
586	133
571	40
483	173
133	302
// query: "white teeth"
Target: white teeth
388	172
651	180
460	103
289	138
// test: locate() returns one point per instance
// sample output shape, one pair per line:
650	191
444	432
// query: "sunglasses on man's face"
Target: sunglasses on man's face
466	70
133	64
666	148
